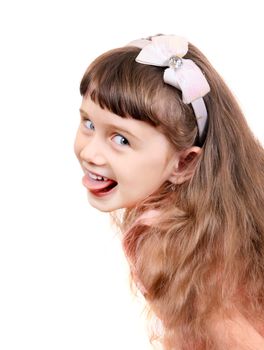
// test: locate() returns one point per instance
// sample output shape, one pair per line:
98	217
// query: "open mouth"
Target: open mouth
105	189
98	185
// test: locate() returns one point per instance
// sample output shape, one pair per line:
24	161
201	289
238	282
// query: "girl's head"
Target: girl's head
135	130
164	152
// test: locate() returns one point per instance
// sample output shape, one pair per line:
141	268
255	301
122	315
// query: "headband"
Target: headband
184	74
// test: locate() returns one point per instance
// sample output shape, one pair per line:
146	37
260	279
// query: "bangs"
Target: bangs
115	81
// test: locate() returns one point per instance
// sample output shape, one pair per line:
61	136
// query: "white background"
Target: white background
63	276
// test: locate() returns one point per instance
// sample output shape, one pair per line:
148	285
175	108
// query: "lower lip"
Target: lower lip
95	193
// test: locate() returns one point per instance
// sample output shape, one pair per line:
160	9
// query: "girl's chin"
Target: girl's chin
107	207
102	205
111	201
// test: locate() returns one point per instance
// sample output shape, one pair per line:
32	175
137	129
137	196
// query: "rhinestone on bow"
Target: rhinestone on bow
175	62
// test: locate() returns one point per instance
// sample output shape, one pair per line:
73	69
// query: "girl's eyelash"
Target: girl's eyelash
125	140
84	120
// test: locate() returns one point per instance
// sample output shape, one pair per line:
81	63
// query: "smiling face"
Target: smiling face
124	160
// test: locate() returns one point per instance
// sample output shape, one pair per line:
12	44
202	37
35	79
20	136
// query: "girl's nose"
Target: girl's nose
93	153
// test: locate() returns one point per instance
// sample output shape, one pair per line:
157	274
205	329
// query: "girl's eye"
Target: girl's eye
88	124
121	140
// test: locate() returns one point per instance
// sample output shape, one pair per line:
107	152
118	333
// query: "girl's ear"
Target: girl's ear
185	166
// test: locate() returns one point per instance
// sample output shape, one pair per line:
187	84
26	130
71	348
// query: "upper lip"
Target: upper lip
87	170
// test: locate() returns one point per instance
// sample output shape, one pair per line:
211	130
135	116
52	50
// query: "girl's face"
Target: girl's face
124	160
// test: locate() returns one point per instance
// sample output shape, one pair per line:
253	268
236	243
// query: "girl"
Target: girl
162	136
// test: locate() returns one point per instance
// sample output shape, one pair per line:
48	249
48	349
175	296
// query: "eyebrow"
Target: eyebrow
112	125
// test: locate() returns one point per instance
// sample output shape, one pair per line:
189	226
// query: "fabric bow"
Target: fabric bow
184	74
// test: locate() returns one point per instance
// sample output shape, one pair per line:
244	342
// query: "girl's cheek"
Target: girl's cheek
76	147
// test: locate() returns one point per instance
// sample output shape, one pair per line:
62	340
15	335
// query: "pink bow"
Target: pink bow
184	74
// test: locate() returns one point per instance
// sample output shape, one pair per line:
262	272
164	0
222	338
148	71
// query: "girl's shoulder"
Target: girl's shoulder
148	217
236	332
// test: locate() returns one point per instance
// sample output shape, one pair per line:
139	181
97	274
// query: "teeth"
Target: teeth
97	177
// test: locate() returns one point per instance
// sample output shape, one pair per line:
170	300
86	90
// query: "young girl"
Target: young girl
162	137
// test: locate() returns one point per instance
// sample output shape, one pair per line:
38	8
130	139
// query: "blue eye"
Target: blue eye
121	140
88	124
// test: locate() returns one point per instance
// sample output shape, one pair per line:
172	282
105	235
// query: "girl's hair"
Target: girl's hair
203	253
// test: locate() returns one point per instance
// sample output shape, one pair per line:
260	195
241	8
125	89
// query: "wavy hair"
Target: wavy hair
202	253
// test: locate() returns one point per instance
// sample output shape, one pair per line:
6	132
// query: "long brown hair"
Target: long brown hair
203	252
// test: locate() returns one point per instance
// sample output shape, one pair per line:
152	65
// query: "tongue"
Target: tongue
100	185
96	185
